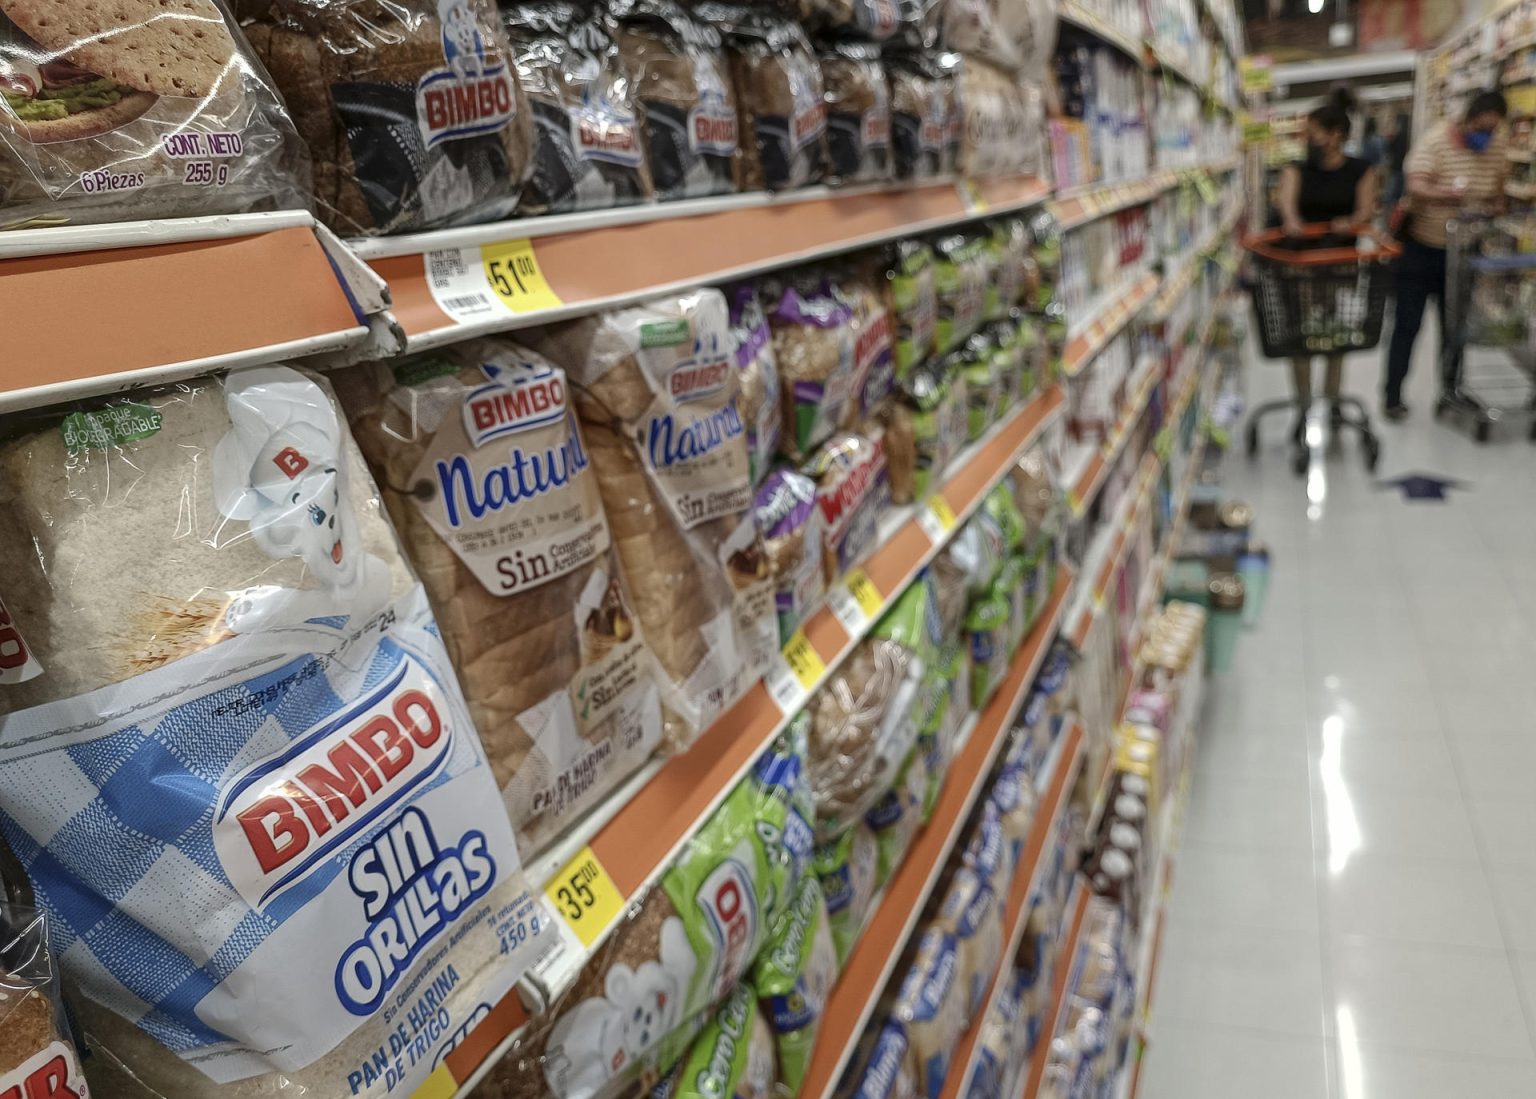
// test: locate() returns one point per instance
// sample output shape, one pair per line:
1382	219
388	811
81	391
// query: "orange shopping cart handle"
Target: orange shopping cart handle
1270	245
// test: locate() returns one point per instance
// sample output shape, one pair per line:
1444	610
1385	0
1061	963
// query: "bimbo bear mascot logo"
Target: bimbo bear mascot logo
281	469
472	93
603	1036
463	46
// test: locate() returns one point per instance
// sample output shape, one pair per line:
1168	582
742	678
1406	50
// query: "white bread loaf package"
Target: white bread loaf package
657	393
234	760
483	470
37	1054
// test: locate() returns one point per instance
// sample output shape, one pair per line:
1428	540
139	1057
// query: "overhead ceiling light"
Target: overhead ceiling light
1314	6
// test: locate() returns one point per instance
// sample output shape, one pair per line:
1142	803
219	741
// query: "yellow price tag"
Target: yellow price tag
970	194
943	512
805	663
512	269
864	592
440	1085
585	897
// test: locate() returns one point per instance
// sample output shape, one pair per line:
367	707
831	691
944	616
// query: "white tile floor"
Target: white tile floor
1354	908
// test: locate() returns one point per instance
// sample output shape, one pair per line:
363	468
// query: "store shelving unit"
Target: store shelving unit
1067	966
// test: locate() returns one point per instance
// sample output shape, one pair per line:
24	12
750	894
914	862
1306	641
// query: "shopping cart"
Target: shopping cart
1490	305
1319	294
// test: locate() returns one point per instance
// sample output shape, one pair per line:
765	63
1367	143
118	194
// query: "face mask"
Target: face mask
1478	140
1315	153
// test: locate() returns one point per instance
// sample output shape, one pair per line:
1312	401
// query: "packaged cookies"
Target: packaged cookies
793	978
814	344
483	469
683	94
852	491
657	395
274	675
37	1054
858	113
138	109
412	110
588	143
752	347
779	97
792	529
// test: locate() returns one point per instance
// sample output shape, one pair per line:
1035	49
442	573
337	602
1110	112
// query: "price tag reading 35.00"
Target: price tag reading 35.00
476	284
585	897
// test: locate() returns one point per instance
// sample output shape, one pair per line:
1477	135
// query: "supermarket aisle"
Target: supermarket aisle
1354	911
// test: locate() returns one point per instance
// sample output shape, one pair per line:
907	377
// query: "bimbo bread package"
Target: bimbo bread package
237	767
37	1055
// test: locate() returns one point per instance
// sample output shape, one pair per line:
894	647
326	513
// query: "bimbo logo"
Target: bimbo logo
695	380
513	401
50	1073
836	505
289	813
471	94
729	904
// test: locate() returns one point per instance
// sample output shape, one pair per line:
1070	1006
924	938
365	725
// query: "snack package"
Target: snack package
864	719
657	395
1010	360
848	869
37	1054
752	347
732	1058
984	29
779	97
874	364
412	110
792	529
852	490
137	110
683	95
1017	277
972	915
486	477
273	674
858	112
921	437
930	1005
643	996
881	1067
793	978
984	385
921	85
898	815
995	120
815	346
588	142
960	277
903	272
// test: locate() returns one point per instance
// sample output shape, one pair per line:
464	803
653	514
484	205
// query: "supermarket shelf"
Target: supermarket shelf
1111	317
1084	486
1175	286
570	259
1066	970
869	966
186	297
1118	532
1126	41
1062	774
638	832
1076	206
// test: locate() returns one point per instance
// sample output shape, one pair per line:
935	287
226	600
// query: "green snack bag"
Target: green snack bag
732	1057
897	816
983	384
960	282
909	274
1008	361
1001	505
793	977
1031	352
847	869
1009	242
918	442
986	627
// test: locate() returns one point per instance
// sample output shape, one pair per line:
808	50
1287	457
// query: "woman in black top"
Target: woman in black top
1325	187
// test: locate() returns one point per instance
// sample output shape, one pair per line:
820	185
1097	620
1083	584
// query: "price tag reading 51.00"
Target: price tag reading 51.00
585	897
480	284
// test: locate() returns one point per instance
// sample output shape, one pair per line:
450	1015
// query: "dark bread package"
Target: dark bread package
681	85
412	109
779	97
481	464
866	20
858	113
923	133
137	109
588	143
853	491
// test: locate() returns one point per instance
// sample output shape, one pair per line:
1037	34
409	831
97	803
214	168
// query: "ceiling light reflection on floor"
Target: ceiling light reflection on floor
1343	826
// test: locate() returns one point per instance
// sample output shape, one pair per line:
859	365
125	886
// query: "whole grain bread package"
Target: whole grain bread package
137	109
815	345
995	121
874	359
658	397
588	142
760	400
412	109
484	472
779	97
792	528
682	87
37	1053
930	1005
853	491
858	113
732	1058
793	978
216	611
922	91
646	993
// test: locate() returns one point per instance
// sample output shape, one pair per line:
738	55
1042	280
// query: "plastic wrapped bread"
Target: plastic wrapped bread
37	1054
272	774
137	109
657	394
732	1058
483	469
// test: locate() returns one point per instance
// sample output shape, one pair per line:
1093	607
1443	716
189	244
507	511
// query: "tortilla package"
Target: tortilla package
412	110
657	394
682	89
484	472
732	1058
137	109
280	826
588	145
793	976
